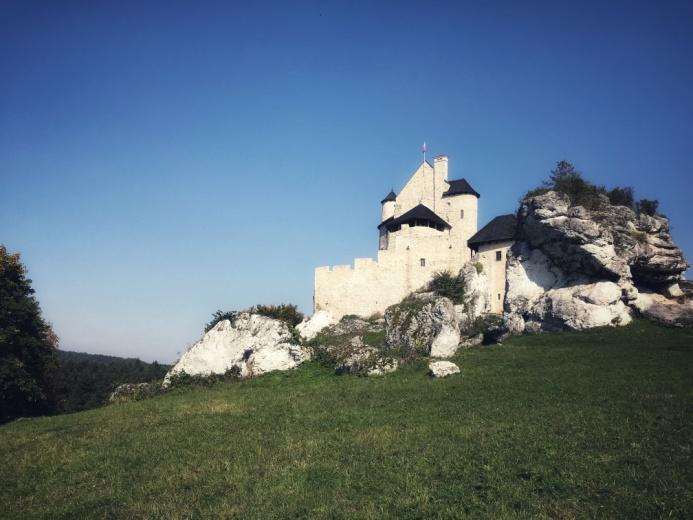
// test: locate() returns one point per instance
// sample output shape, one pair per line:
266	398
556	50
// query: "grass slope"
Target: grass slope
594	424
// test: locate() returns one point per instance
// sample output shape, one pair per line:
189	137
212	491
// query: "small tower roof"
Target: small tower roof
460	187
389	197
500	229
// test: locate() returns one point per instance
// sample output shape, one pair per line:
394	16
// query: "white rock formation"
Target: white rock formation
423	323
656	306
446	343
310	327
253	343
476	301
442	368
540	296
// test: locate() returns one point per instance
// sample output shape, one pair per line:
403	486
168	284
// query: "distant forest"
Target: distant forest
86	380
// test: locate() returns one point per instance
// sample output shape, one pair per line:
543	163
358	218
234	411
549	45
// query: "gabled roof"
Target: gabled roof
499	229
460	187
389	197
419	212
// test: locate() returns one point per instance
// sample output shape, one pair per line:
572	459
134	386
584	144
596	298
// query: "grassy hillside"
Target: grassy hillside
596	424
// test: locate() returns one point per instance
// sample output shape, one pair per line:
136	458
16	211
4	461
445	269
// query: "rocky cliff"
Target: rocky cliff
575	268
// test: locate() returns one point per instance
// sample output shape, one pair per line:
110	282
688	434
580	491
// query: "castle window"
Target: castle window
423	262
499	256
461	213
499	296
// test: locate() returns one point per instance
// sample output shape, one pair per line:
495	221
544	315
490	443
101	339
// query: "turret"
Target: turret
388	205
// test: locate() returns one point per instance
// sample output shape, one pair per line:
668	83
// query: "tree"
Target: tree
28	346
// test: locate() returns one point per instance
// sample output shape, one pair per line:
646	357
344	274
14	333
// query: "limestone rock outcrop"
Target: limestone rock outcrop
252	343
354	346
476	301
424	324
310	327
442	368
576	268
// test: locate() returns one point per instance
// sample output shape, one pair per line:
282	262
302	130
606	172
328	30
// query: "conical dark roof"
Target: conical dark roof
460	187
390	197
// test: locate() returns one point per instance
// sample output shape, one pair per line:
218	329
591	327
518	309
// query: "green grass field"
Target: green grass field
569	425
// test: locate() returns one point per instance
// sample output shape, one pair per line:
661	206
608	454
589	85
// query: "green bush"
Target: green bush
221	316
479	267
286	312
621	196
444	283
647	206
183	379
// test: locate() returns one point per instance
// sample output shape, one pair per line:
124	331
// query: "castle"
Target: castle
430	226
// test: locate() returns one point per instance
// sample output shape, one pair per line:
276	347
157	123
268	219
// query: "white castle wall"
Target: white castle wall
495	270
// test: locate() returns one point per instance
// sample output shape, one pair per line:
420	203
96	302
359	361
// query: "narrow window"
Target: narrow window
423	262
461	213
499	256
499	296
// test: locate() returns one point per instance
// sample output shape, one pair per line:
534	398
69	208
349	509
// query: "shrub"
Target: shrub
444	283
621	196
566	180
286	312
183	379
647	206
221	316
479	267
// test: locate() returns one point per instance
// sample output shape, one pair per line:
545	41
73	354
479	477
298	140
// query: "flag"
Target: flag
423	148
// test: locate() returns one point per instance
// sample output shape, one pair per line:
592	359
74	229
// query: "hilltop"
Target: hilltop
570	424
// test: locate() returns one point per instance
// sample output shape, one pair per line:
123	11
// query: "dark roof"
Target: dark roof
420	212
499	229
460	187
390	197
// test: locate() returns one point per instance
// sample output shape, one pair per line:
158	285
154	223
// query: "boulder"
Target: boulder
310	327
132	392
344	346
252	343
658	307
424	324
364	360
576	268
442	368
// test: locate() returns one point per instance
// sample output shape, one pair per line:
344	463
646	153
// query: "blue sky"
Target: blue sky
161	160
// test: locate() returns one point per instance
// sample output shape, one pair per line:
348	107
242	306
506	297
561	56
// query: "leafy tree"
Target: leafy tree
28	346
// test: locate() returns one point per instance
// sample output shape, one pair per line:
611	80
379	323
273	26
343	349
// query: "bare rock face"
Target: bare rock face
253	344
576	268
610	242
477	296
658	307
310	327
424	324
442	368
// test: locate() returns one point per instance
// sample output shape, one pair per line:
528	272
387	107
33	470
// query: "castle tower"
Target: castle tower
388	209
